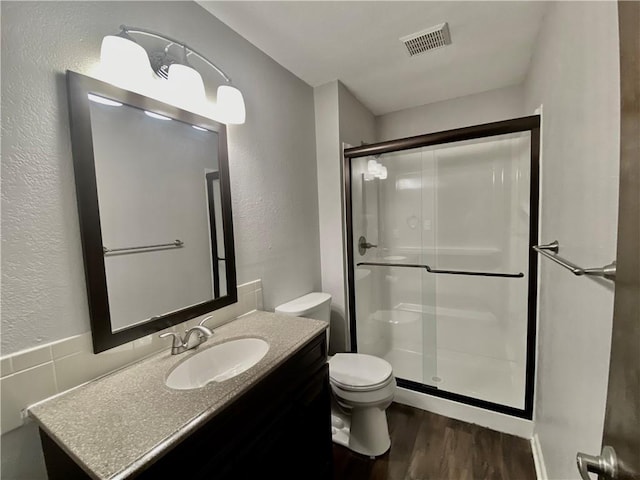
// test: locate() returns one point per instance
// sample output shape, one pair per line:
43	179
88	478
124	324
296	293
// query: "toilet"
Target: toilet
363	386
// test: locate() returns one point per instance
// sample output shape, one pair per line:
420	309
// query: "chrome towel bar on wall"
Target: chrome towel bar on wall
143	248
550	250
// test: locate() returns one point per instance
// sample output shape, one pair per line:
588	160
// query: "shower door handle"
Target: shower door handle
363	245
604	465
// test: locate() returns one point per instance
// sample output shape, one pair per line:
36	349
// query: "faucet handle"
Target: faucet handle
205	319
201	329
203	333
177	341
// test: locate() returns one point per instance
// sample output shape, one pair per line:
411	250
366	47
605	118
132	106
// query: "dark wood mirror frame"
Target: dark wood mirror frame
79	86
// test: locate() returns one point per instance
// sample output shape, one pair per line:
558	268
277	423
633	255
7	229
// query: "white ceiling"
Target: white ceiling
358	44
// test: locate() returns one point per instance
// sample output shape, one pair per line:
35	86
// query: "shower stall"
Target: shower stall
442	277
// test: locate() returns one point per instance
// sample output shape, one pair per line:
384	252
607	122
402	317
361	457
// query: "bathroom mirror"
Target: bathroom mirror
154	204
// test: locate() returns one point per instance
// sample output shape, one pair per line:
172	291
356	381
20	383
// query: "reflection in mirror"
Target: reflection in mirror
217	247
151	174
155	211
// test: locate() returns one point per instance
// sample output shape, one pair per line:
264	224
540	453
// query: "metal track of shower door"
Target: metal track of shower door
448	272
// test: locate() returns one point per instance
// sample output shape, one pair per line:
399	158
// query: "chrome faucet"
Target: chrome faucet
179	345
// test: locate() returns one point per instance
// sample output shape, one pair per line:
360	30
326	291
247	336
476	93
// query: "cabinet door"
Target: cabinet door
297	445
310	430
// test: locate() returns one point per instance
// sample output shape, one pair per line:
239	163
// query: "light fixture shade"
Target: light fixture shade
230	105
125	63
375	170
187	87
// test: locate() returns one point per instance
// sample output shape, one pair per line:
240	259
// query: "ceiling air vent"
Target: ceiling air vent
430	39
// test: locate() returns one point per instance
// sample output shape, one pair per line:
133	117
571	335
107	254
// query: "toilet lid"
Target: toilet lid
358	369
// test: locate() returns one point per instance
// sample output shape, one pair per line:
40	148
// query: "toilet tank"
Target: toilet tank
315	305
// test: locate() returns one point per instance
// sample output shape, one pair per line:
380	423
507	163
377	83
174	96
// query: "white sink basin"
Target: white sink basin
217	364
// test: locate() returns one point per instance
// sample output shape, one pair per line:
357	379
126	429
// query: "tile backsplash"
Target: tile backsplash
32	375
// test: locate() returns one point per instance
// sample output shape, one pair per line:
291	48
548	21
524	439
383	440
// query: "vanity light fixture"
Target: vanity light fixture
126	64
375	170
157	116
103	101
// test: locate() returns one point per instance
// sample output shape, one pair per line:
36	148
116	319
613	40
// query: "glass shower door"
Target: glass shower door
393	233
441	238
482	210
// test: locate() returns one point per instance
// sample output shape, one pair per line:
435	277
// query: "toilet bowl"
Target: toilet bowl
363	386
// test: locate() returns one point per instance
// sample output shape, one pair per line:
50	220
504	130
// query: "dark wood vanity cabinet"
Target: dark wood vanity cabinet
280	428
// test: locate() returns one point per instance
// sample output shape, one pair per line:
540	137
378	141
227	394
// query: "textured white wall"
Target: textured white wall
575	75
272	160
357	123
491	106
330	206
340	118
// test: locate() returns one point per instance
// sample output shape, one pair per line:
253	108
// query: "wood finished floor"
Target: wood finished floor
426	446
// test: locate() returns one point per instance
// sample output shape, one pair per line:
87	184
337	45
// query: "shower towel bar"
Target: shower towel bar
449	272
145	248
550	250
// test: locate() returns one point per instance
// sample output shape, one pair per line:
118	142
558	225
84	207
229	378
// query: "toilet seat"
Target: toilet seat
369	388
359	372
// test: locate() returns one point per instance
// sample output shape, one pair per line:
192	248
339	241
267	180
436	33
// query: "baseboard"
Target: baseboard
500	422
538	459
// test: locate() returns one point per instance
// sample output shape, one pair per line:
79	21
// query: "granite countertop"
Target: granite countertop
114	425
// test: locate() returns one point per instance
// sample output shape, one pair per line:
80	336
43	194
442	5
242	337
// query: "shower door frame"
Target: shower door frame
522	124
